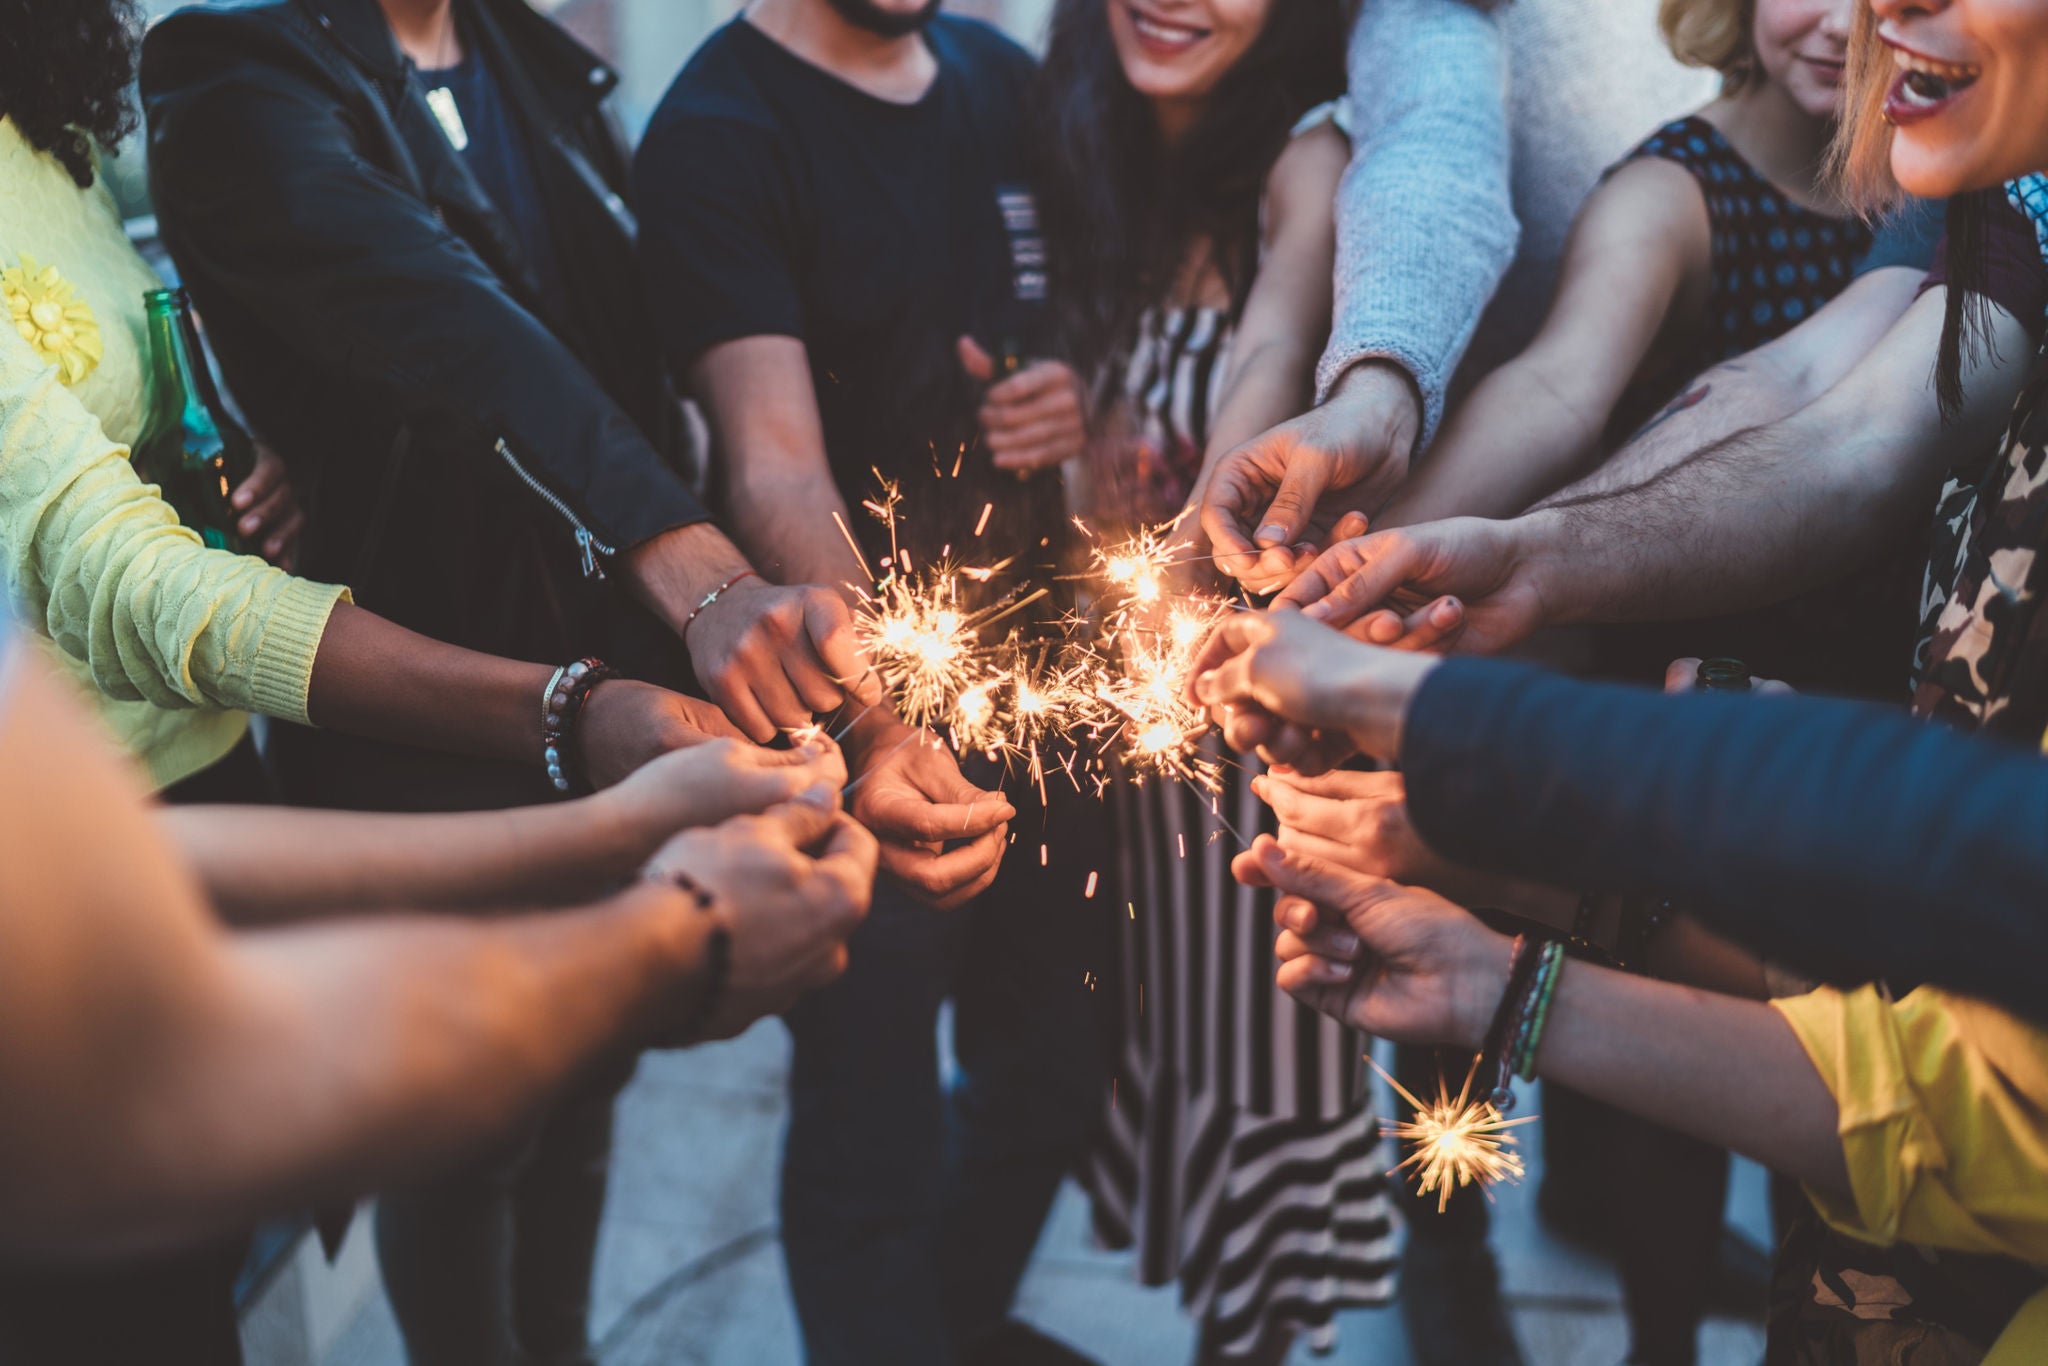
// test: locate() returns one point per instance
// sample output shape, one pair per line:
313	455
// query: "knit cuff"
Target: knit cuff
1430	380
292	627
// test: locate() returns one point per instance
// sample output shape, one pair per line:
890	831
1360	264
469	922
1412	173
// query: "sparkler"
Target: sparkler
1456	1142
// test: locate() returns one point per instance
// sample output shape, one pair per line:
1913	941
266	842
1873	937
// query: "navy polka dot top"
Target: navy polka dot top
1775	263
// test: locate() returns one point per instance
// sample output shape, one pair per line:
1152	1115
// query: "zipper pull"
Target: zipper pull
586	546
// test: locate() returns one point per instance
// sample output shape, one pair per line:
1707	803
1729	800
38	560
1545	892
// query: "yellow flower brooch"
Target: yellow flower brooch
50	316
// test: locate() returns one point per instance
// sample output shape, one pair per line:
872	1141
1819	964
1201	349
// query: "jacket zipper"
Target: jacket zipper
587	544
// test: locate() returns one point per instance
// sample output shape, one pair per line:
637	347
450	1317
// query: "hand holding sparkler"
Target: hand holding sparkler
942	836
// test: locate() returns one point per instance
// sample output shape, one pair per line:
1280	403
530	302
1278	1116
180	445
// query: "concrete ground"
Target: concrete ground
690	1272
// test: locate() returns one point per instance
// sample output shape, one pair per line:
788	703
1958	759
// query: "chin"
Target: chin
1931	172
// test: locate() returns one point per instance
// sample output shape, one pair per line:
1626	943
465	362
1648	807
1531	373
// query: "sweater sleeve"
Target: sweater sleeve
1425	222
95	556
1842	838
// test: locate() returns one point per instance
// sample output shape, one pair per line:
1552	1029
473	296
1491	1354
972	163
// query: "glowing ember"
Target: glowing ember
1455	1142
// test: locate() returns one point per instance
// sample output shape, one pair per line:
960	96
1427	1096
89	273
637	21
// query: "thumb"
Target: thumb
978	364
1337	889
1287	516
808	817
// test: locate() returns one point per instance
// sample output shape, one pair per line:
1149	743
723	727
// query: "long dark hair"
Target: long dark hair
1120	209
65	69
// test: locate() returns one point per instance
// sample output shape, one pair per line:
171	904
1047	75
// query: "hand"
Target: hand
910	792
269	518
1683	675
1360	821
773	657
627	724
1481	562
715	781
1394	961
789	886
1032	420
1268	503
1302	694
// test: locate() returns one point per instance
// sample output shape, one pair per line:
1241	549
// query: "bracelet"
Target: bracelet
1494	1055
710	598
561	706
1536	1012
717	953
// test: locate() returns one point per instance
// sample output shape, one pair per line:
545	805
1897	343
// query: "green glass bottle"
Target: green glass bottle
191	448
1722	675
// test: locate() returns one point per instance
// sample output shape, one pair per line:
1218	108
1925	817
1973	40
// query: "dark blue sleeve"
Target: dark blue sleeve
1840	837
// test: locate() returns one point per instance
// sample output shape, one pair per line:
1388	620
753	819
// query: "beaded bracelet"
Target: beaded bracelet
1536	1011
568	691
709	598
717	953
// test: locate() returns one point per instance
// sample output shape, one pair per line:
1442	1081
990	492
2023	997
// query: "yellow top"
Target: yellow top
1944	1123
173	641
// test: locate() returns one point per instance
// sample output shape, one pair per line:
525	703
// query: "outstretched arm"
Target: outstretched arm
1638	254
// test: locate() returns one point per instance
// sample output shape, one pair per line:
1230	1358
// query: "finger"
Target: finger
1349	527
1293	503
1682	675
1432	627
1311	977
1327	941
1294	745
264	477
954	900
1061	430
809	677
1327	884
1224	508
1249	867
1771	687
837	643
1237	633
777	699
266	510
1304	811
284	538
1034	383
978	364
940	874
1295	913
1296	840
805	819
904	817
1334	592
736	700
1340	784
850	856
1037	457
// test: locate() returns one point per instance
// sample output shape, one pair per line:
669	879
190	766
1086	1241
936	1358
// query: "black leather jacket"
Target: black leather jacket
470	462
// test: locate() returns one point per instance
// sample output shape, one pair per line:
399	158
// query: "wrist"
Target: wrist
683	949
1377	696
1540	557
1483	981
677	569
1382	398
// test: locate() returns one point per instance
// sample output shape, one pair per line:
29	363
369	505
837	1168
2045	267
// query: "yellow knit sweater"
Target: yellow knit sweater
173	641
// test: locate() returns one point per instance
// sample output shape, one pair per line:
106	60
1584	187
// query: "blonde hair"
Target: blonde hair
1860	157
1714	34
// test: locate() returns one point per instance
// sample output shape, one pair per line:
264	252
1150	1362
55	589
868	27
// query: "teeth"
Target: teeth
1954	73
1170	33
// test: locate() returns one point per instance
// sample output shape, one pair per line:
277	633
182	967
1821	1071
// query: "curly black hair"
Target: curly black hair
65	71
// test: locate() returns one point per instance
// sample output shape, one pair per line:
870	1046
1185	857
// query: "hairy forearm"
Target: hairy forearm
674	572
791	526
325	1063
377	679
1515	439
271	864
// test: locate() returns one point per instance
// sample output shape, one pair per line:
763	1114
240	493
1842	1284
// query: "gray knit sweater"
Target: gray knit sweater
1427	212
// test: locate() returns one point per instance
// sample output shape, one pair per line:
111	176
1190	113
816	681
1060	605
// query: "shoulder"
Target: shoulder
1309	167
1689	141
716	98
1654	190
215	48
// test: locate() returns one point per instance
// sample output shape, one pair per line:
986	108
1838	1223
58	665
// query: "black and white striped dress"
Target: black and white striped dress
1240	1156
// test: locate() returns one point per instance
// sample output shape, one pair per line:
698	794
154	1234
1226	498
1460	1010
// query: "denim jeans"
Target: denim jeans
910	1207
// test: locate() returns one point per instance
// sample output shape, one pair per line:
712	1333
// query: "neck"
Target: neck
896	69
424	29
1784	142
1174	118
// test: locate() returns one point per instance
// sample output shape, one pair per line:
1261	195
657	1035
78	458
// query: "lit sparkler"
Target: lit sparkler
1457	1142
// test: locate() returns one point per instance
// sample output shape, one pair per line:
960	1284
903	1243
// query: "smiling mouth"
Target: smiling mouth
1926	84
1164	34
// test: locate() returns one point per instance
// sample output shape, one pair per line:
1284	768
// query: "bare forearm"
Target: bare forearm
790	526
326	1063
1515	439
1728	1071
377	679
674	572
352	862
1268	385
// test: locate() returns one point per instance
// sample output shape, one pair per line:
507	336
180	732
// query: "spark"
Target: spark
1456	1142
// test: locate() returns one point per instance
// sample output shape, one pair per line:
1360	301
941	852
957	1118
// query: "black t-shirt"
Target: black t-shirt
492	144
777	200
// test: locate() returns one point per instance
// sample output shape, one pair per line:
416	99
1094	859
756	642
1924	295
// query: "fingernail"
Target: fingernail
1316	611
1339	970
1301	920
1344	943
249	524
1447	612
818	794
1272	534
241	498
